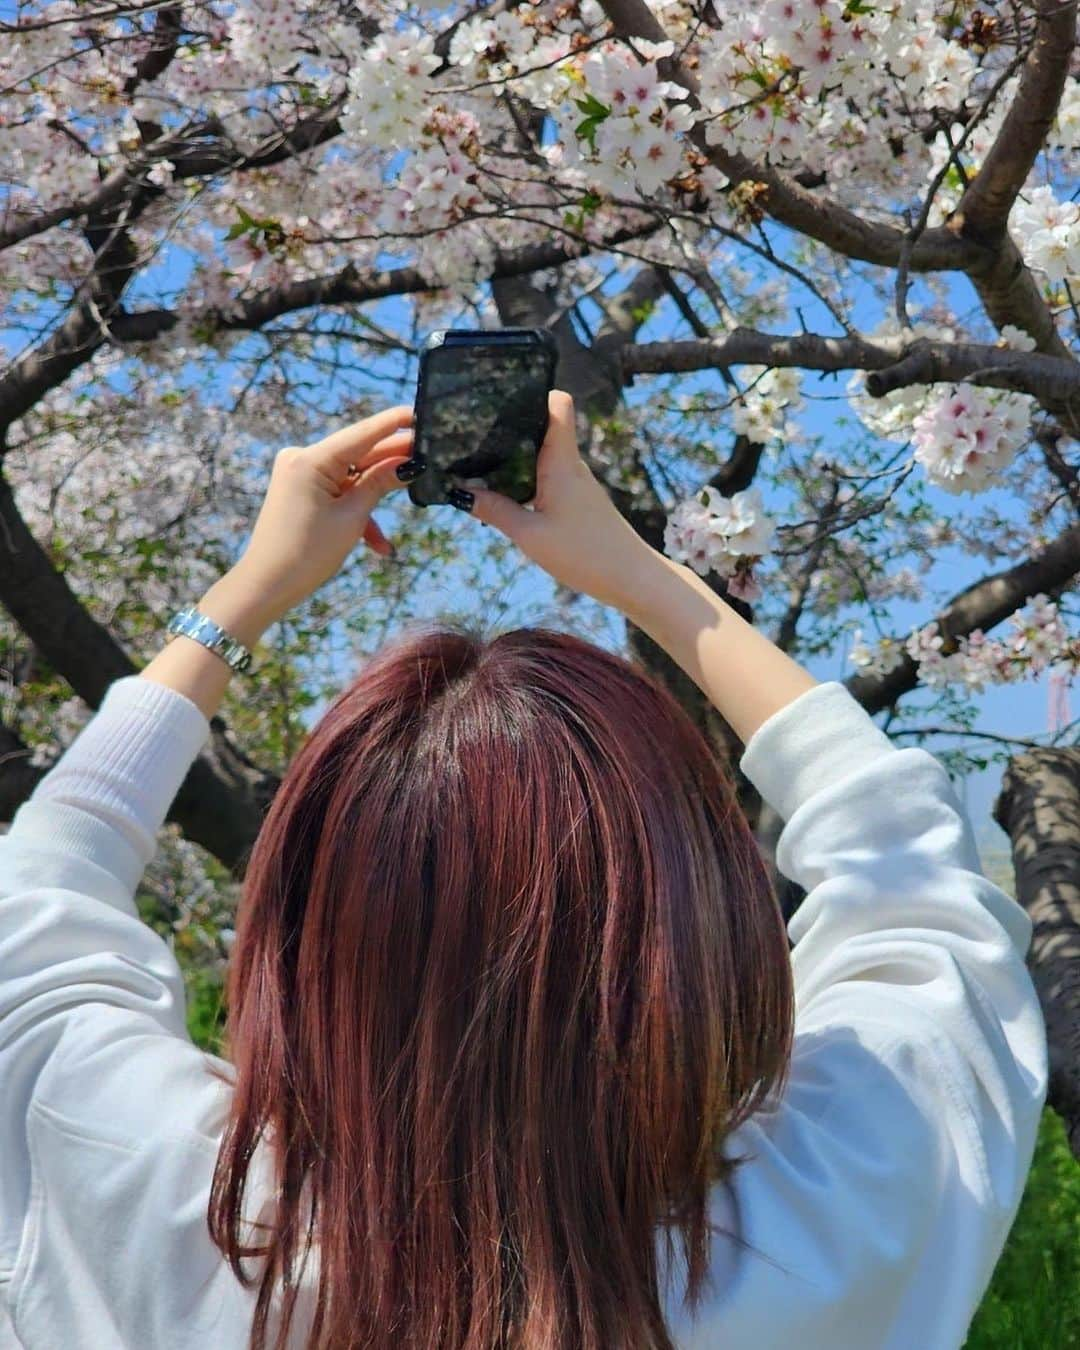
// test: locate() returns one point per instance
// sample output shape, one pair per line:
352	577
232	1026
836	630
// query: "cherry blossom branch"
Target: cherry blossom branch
1004	283
740	468
785	200
746	346
86	325
349	286
787	629
903	281
168	25
203	149
1053	380
1068	475
99	15
981	606
966	732
109	191
988	199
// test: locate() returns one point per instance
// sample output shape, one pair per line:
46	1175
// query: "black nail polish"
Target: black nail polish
460	498
412	468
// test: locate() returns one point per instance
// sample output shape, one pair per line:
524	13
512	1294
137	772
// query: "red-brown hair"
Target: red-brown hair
508	969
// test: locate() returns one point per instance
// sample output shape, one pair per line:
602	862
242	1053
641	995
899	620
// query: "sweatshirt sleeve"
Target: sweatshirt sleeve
880	1187
76	962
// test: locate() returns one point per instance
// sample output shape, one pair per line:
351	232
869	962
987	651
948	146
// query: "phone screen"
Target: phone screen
482	414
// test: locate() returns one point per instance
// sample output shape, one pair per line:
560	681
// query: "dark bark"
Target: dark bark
18	777
1053	379
1039	808
988	199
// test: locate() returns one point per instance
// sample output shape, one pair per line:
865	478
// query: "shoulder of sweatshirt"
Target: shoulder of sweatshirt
855	803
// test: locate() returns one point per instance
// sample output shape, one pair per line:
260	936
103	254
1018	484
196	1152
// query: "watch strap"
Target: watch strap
190	623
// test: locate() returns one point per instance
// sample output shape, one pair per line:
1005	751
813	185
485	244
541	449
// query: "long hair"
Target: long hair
508	969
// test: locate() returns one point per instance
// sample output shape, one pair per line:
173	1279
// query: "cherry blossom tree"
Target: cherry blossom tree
812	269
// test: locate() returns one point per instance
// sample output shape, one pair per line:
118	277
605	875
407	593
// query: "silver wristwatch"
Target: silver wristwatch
190	623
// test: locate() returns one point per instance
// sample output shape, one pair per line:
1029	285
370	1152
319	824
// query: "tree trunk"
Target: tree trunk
1039	807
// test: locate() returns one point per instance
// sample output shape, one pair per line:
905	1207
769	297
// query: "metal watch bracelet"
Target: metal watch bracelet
190	623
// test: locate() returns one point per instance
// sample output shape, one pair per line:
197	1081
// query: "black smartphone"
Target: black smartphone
482	410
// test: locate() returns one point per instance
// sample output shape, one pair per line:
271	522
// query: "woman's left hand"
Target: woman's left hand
316	512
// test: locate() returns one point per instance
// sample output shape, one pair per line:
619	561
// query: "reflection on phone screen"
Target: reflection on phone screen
484	414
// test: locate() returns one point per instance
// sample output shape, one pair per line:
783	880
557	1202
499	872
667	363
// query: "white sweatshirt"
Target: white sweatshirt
882	1186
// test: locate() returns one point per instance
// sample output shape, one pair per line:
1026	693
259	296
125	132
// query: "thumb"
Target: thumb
493	508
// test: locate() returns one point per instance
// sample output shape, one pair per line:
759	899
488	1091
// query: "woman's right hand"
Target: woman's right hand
572	530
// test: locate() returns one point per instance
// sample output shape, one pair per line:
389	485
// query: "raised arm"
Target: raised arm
577	536
884	1185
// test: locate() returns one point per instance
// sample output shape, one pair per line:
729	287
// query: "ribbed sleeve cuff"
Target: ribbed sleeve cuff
124	768
820	738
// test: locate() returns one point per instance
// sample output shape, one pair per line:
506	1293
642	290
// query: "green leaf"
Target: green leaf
588	205
242	226
249	224
591	106
954	178
595	113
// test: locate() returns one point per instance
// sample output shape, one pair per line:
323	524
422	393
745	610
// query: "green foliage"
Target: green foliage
588	206
595	113
1033	1302
205	1009
268	231
270	716
954	178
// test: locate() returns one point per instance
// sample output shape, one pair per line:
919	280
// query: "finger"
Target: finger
398	446
398	443
372	485
493	508
334	453
376	540
560	443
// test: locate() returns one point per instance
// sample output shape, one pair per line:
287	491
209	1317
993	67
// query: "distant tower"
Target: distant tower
1058	711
